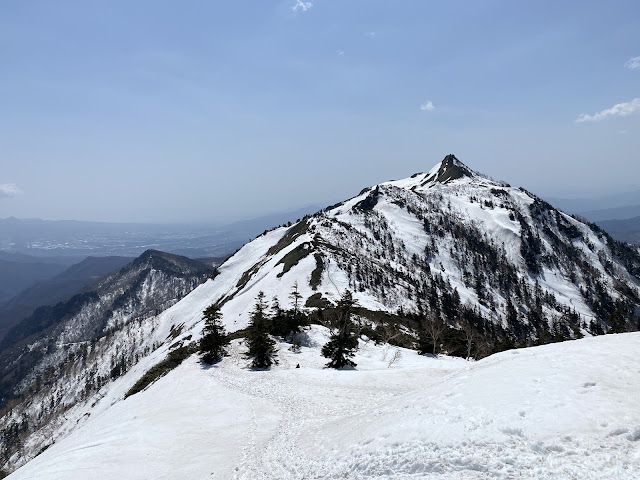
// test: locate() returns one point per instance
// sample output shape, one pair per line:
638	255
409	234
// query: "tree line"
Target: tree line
274	321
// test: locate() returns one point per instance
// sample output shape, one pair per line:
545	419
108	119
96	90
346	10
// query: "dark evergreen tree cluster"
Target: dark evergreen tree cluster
286	324
274	321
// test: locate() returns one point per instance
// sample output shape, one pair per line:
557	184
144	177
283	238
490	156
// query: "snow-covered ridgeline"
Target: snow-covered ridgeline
388	235
393	245
560	411
93	339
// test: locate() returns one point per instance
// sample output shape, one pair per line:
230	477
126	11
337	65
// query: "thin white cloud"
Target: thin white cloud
340	53
427	107
370	34
302	6
9	190
620	110
633	63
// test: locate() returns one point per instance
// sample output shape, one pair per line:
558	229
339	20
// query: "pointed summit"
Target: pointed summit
451	169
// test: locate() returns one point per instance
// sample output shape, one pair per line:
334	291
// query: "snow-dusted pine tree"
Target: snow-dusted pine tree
213	344
344	340
261	345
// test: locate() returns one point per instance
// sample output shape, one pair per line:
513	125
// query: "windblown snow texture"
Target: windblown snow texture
560	411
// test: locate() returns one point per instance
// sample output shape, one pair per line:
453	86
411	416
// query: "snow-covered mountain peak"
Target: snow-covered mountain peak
494	264
449	169
158	260
451	231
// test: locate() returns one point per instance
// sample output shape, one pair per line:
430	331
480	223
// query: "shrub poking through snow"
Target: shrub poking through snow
173	359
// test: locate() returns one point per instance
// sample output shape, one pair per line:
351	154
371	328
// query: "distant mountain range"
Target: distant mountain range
34	253
610	207
46	238
605	203
56	289
624	230
617	214
18	272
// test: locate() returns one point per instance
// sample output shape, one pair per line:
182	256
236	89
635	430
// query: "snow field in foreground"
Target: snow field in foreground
560	411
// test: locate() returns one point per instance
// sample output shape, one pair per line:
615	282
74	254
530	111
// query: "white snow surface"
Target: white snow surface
560	411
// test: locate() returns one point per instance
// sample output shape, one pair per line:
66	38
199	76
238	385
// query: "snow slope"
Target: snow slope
395	245
560	411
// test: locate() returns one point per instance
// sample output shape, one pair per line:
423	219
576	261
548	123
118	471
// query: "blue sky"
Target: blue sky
215	110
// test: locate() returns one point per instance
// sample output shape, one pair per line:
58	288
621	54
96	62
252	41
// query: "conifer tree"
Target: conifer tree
279	319
297	318
214	342
295	298
344	340
286	324
276	309
261	345
617	322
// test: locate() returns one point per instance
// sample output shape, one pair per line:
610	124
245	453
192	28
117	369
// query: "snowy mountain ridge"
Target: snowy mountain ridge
449	243
448	230
63	355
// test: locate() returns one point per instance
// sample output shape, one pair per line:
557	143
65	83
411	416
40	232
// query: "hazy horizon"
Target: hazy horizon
196	112
568	199
203	223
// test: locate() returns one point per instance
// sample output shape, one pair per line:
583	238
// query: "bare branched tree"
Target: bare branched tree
389	331
397	355
470	336
433	327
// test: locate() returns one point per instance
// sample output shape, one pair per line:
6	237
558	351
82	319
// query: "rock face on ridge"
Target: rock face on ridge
452	169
